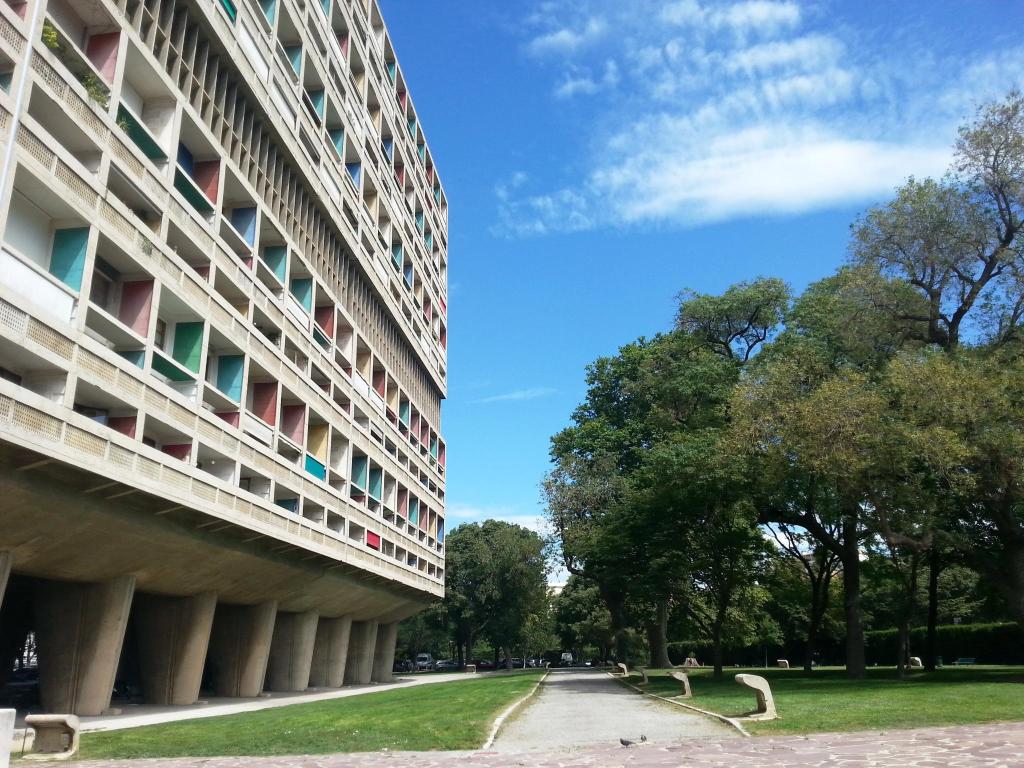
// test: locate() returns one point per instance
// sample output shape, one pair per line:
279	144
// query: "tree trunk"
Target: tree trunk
657	637
931	650
903	647
812	642
1013	584
855	664
716	651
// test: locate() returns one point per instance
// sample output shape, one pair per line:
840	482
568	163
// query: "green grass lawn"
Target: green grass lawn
454	715
824	700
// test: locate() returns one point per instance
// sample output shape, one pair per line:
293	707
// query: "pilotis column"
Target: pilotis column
291	651
79	631
173	635
384	653
362	643
240	647
330	652
6	561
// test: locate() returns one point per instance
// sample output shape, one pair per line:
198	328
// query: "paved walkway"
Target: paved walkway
989	746
585	708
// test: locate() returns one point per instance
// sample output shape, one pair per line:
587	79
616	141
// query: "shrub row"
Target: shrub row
987	643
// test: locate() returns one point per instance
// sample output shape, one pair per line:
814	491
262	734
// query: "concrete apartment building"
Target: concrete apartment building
223	333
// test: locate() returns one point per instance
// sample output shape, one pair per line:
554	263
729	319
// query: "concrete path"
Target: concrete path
584	708
978	746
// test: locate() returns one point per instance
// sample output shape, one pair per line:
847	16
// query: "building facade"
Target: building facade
223	335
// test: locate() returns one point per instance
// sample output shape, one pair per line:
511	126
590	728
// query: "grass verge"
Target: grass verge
440	716
825	700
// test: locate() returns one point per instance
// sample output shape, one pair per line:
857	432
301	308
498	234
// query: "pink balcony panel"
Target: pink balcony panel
102	52
136	305
264	402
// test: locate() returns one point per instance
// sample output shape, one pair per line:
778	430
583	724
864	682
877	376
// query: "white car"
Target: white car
424	661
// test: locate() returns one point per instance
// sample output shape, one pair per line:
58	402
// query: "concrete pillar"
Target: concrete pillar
240	647
384	653
79	632
330	652
291	651
6	561
362	643
173	635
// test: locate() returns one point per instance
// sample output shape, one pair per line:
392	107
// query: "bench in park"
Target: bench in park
763	696
56	736
964	662
623	669
684	680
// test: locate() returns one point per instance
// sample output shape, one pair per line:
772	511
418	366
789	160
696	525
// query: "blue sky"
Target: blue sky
599	156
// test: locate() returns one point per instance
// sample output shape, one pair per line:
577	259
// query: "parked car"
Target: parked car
405	665
424	662
446	665
482	664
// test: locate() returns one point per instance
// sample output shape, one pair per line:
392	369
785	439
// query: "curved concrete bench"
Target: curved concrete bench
762	694
783	664
470	669
56	736
6	735
643	673
623	669
684	679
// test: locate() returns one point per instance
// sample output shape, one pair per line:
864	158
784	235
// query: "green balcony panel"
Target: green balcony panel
414	510
276	257
359	471
376	483
138	133
229	375
294	54
315	468
302	290
67	258
396	256
136	357
195	196
229	9
403	412
292	505
188	345
164	366
338	140
269	9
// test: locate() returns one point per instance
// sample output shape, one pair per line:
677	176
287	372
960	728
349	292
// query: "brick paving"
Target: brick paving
985	746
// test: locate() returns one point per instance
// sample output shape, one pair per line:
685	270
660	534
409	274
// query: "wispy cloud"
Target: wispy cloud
706	111
518	395
568	39
458	512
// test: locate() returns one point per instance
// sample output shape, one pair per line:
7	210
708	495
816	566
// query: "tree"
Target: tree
496	585
957	241
818	566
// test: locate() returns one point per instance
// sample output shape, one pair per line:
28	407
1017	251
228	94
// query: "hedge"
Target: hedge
986	643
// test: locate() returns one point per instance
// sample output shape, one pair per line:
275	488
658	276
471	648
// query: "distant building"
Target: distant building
223	335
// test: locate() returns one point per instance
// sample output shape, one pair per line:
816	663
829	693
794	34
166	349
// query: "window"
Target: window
160	335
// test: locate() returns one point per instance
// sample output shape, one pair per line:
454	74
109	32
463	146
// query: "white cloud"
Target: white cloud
762	16
769	169
806	52
518	395
715	111
471	513
565	40
759	16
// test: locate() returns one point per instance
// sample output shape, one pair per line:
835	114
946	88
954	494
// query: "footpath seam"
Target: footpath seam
500	721
723	718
